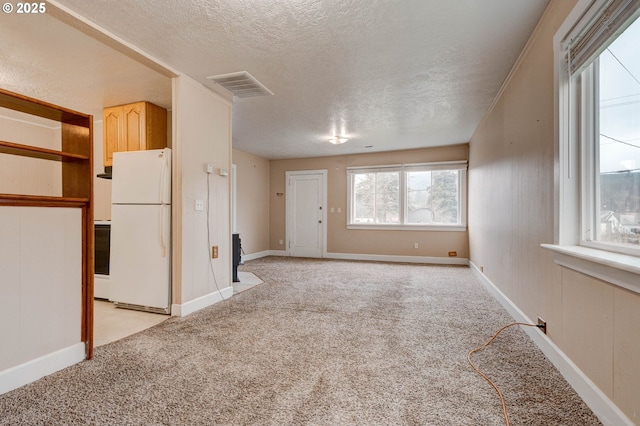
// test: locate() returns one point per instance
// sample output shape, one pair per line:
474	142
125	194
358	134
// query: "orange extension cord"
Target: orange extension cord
484	376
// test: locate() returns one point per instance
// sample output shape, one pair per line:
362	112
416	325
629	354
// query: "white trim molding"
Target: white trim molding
403	170
400	259
576	209
201	302
596	400
615	268
35	369
431	260
386	227
258	255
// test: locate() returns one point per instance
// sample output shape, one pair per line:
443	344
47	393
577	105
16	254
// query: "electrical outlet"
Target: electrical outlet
199	205
209	168
214	252
415	245
542	325
453	253
280	242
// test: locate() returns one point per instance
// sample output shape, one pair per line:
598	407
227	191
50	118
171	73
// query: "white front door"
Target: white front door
306	213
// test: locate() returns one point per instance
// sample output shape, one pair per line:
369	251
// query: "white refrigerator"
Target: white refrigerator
140	269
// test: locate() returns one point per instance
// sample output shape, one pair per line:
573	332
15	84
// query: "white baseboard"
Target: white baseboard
257	255
598	402
388	258
33	370
401	259
201	302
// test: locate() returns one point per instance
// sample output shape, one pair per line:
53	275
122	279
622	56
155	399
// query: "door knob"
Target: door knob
319	221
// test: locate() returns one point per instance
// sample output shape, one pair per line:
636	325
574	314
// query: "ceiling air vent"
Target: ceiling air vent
241	84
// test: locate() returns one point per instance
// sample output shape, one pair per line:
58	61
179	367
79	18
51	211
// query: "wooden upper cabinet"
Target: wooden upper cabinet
135	123
133	127
112	133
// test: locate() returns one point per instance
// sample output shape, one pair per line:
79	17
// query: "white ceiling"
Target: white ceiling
390	74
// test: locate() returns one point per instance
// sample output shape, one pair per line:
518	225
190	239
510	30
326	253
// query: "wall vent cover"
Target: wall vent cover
241	84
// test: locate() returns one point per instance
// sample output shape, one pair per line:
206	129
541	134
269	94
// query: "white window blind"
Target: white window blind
445	165
600	28
375	169
442	165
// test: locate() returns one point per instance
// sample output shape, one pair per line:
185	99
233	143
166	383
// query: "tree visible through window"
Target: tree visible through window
377	197
407	195
432	197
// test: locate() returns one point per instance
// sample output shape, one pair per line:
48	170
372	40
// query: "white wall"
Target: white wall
40	282
40	261
202	134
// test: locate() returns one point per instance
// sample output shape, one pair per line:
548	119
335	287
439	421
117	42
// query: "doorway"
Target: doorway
306	213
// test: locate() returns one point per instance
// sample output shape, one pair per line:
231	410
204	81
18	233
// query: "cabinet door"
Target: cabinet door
112	132
156	127
135	138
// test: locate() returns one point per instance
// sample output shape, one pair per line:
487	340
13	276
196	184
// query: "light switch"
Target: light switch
339	209
331	209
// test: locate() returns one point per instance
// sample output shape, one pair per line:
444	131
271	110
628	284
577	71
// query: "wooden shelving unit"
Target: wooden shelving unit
36	152
76	157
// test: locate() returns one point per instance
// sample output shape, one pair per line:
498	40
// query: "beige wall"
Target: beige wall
203	135
252	201
511	212
368	242
40	254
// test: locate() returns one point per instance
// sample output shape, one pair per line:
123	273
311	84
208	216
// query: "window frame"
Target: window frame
403	169
576	186
581	119
588	144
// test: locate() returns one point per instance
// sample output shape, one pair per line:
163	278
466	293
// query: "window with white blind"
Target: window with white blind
598	176
408	196
603	124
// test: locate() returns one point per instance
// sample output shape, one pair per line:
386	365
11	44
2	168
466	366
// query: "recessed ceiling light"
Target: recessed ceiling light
337	140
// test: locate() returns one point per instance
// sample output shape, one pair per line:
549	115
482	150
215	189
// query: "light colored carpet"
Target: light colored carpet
319	343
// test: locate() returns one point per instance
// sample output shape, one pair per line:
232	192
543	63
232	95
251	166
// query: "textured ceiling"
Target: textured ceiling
390	74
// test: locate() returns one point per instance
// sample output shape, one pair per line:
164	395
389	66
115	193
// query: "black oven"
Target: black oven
102	242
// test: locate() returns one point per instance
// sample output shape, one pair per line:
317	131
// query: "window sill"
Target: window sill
448	228
619	269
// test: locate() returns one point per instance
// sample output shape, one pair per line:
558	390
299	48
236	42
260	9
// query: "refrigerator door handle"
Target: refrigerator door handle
163	236
163	180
